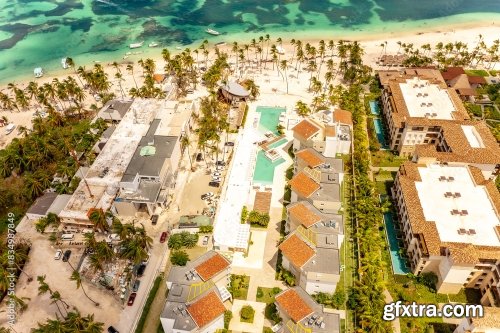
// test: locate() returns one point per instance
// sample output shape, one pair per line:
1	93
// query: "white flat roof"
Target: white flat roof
426	99
480	216
115	156
473	136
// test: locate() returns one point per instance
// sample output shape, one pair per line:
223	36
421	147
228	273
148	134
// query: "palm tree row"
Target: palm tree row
148	89
12	263
65	95
452	54
66	321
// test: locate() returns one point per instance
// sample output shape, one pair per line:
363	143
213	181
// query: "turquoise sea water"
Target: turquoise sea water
40	33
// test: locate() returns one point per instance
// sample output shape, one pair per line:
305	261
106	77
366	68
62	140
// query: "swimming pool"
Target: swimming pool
264	169
398	262
379	130
374	108
269	118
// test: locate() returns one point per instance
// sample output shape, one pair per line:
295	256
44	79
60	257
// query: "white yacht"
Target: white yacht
153	44
212	32
64	63
38	72
136	45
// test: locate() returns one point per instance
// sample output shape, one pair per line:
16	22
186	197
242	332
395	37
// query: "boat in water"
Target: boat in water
153	44
212	32
220	44
136	45
38	72
64	63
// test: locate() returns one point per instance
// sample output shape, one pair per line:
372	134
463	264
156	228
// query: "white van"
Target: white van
67	237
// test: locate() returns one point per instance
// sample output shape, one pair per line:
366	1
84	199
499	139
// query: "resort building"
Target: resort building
197	292
138	163
300	313
317	180
415	106
450	219
489	323
329	133
114	110
49	202
462	143
464	84
311	251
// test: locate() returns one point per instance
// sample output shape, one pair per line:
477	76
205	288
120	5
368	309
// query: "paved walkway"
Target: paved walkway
396	326
258	320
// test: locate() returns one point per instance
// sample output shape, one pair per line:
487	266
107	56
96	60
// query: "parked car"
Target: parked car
58	255
141	269
190	91
199	157
219	168
154	219
215	179
230	144
205	240
131	299
214	184
163	237
9	128
137	283
66	255
221	163
216	174
111	329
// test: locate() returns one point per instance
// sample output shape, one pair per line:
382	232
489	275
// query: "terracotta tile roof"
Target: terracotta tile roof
452	72
400	114
491	319
262	202
303	185
206	309
475	79
461	150
294	306
343	116
311	157
305	129
296	250
211	267
427	231
303	214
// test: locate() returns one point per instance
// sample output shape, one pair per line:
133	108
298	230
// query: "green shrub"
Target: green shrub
244	214
179	258
259	292
228	315
206	229
247	313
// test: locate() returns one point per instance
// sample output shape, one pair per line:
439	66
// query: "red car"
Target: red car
163	237
131	299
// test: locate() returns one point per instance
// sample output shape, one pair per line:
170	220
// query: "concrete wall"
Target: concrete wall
328	207
213	326
124	208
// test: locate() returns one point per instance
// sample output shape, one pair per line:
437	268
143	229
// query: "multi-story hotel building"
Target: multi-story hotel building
450	219
415	106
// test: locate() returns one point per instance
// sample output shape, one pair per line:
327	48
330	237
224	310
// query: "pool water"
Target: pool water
379	130
374	108
398	262
269	118
264	169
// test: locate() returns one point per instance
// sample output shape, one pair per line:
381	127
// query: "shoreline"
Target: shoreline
364	33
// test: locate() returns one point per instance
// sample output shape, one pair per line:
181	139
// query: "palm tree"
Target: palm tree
119	77
185	142
75	276
284	66
99	219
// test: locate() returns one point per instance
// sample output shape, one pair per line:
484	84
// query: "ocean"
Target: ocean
40	33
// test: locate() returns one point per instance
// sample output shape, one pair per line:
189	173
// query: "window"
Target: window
417	128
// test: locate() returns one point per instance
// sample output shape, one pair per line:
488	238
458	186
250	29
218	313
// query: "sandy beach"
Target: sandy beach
370	43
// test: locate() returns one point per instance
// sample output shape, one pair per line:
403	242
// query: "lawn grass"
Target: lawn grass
494	72
385	158
491	112
195	252
147	305
477	72
266	295
267	330
239	286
